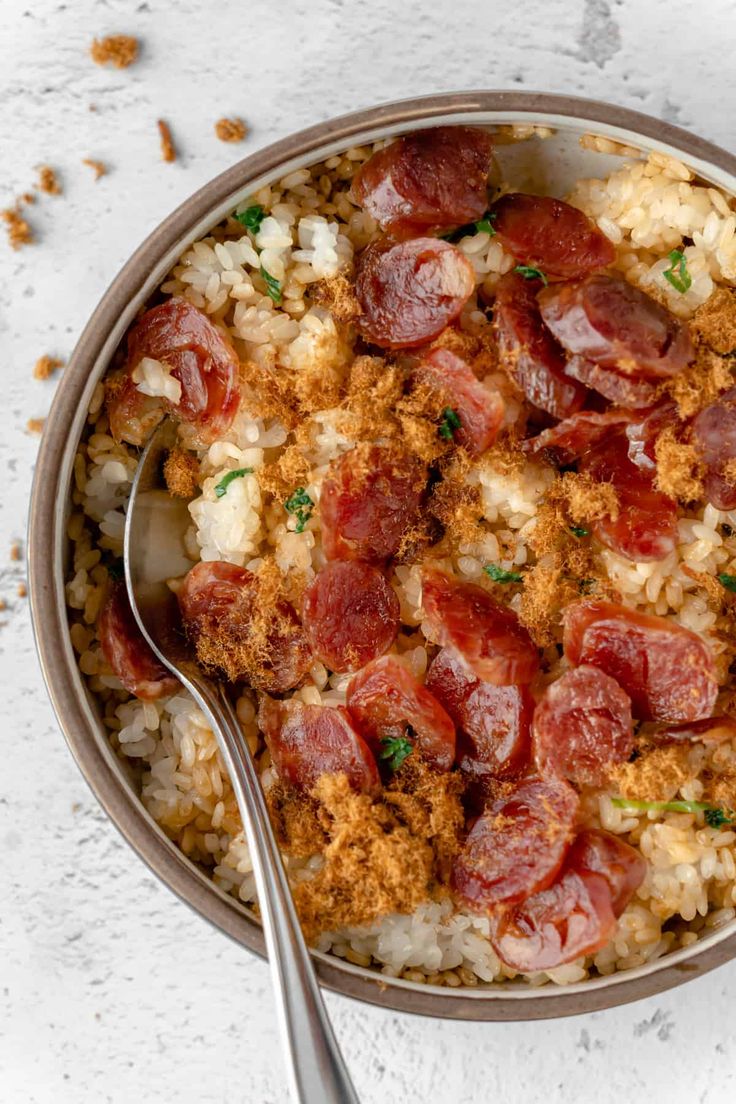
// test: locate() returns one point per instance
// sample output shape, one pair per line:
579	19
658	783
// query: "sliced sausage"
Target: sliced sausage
128	653
714	436
350	615
551	235
624	869
479	410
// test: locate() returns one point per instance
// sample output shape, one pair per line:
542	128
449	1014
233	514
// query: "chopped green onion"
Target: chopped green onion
677	274
450	423
715	815
485	225
500	575
222	486
394	750
301	506
531	273
251	218
728	581
273	286
578	531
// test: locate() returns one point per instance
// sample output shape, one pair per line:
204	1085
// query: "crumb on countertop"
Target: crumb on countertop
679	470
45	367
15	551
168	151
98	167
22	590
119	50
181	472
18	229
48	181
35	425
230	130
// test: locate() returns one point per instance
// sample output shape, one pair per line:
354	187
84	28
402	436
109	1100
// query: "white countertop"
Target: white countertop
111	989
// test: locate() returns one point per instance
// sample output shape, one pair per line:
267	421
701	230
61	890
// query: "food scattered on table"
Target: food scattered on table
35	425
98	167
230	130
168	151
462	470
48	181
120	51
18	228
46	366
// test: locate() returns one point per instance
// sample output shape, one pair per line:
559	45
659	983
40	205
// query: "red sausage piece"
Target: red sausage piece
551	235
410	291
433	179
582	726
384	700
714	436
493	722
350	614
480	410
128	653
597	852
666	670
487	636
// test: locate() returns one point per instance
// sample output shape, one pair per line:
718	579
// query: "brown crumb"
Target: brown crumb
48	181
35	425
718	597
583	498
98	167
656	775
557	579
296	821
230	130
22	590
117	50
429	803
181	472
18	229
168	151
3	604
15	551
373	865
336	293
45	367
291	470
679	471
701	382
714	323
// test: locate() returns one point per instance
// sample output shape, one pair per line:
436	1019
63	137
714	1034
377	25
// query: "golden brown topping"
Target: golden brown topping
289	471
373	865
714	323
47	181
15	552
230	130
584	499
679	471
168	151
18	229
98	167
22	590
181	472
297	821
337	294
557	579
35	425
656	775
429	803
700	383
45	367
119	50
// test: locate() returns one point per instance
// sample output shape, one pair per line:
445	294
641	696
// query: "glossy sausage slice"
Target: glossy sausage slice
433	179
582	727
551	235
533	357
609	321
410	291
714	436
479	409
350	615
128	653
203	361
666	670
385	701
487	636
624	868
493	721
578	435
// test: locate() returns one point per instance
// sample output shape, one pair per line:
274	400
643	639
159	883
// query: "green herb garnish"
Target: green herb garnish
485	225
728	581
677	274
394	750
531	273
301	506
273	286
251	218
585	585
500	575
449	424
222	486
578	531
715	816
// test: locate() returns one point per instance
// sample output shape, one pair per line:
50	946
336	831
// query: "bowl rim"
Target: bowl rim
47	534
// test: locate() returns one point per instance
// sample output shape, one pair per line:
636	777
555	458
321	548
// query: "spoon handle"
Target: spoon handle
319	1074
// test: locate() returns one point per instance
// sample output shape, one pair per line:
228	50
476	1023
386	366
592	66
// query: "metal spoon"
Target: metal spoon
154	551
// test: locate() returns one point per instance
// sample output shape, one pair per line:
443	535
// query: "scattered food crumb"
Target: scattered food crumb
18	230
45	366
76	806
35	425
22	590
168	152
119	50
3	604
99	167
230	130
15	551
48	181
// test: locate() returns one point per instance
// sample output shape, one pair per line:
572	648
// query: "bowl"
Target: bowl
555	163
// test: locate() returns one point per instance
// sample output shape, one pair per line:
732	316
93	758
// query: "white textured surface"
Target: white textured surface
111	989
